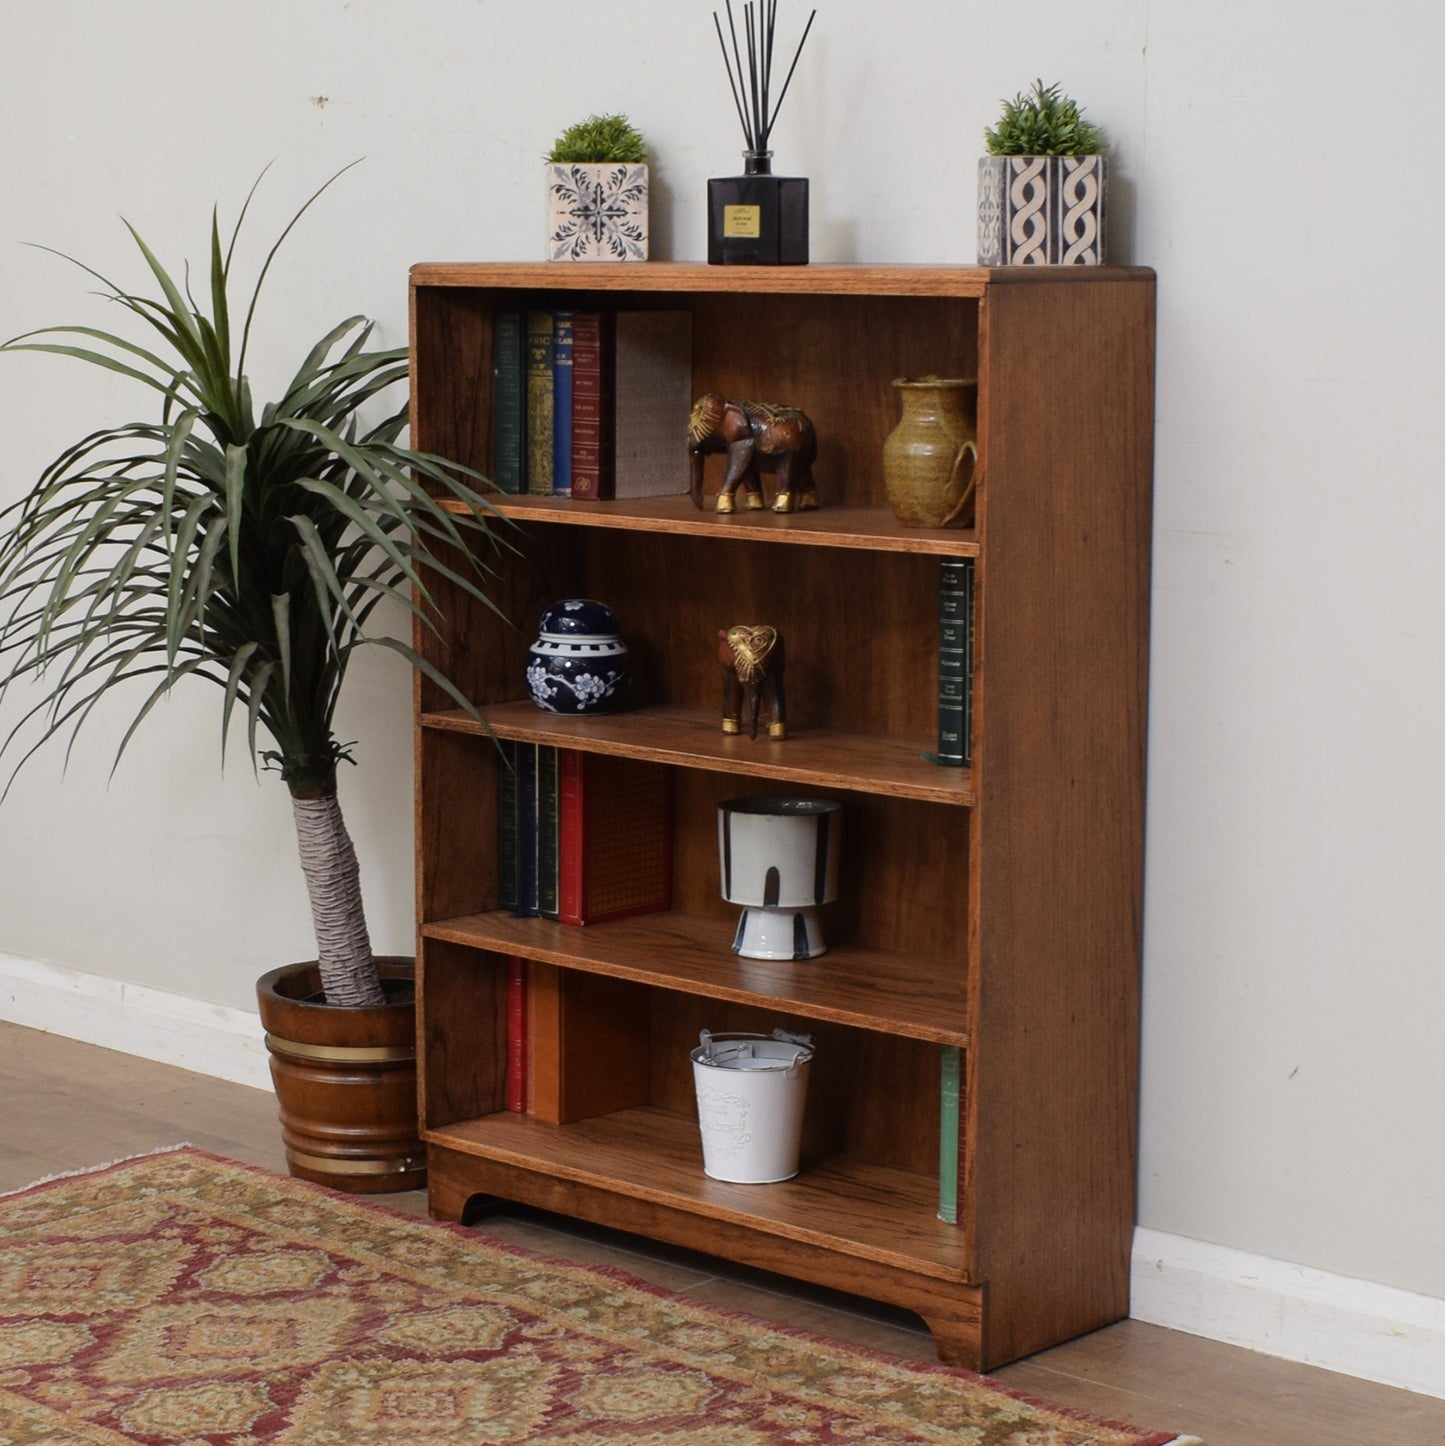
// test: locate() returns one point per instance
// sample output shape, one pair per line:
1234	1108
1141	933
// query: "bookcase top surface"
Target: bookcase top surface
818	280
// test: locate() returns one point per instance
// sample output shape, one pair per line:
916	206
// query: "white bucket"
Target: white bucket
750	1094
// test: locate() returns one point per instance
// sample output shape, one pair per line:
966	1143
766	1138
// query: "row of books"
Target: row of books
582	837
591	404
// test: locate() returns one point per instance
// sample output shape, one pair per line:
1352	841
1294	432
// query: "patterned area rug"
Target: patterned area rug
180	1299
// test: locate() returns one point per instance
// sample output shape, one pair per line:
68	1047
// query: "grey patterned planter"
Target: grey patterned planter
1041	210
597	212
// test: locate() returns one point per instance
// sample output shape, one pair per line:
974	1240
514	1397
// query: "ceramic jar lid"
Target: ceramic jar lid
579	620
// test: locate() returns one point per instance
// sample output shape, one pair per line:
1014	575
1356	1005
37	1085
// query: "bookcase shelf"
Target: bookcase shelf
868	529
690	737
653	1155
866	988
988	920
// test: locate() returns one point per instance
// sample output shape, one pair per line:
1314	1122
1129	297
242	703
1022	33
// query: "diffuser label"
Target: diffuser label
743	221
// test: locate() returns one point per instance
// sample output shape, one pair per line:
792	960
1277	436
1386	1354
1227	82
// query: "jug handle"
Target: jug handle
970	451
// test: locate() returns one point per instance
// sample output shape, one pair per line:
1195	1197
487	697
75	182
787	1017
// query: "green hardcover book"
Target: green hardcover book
547	849
540	403
509	401
955	682
509	876
948	1125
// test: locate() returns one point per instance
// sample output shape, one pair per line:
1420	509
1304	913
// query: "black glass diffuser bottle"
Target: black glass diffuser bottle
757	218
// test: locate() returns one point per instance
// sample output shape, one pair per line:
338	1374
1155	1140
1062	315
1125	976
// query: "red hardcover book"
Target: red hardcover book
614	837
593	412
517	1035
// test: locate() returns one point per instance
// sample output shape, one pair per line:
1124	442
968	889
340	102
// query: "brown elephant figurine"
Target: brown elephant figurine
752	659
758	437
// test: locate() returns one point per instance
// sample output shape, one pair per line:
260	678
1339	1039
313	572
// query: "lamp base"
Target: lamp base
779	934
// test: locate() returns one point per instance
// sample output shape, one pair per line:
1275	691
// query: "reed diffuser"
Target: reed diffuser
757	219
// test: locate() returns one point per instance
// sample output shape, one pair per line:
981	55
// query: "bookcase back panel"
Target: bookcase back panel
754	347
768	349
840	615
902	882
483	649
870	1097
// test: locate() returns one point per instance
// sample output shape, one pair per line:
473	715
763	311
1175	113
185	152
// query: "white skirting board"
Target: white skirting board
155	1024
1353	1326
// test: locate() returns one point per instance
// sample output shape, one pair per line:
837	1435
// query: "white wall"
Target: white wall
1294	1084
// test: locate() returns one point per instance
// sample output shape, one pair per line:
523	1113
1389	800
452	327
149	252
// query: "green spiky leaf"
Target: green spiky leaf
208	543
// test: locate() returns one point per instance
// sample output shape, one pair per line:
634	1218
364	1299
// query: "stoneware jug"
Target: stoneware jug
930	459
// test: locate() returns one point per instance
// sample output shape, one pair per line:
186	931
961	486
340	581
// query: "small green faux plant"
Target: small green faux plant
598	140
1043	122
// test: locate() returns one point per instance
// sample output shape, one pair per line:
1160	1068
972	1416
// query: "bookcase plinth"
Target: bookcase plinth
838	1224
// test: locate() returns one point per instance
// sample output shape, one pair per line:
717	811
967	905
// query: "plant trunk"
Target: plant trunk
333	882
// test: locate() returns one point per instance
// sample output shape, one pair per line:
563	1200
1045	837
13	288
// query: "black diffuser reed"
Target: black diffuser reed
757	218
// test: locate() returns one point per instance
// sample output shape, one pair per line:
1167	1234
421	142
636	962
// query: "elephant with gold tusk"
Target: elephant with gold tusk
758	437
751	655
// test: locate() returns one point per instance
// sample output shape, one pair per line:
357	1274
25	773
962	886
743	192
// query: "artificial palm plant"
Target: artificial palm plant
258	550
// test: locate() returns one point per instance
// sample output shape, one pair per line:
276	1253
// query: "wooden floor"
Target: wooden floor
64	1106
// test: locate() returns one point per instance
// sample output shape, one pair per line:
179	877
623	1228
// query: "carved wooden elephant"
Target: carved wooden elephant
757	437
752	658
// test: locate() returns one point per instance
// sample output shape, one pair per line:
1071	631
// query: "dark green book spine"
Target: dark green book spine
509	879
955	662
547	838
509	402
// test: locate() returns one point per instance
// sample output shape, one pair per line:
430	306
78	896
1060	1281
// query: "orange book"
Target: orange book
614	832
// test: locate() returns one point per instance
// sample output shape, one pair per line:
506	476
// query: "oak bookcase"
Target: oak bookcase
996	909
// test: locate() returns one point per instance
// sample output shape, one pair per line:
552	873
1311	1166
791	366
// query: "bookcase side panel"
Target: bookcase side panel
1058	830
451	373
462	1028
457	827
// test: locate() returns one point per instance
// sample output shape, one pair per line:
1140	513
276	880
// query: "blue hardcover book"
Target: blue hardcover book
562	343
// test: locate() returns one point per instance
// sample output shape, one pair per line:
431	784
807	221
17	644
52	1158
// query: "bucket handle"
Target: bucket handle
782	1036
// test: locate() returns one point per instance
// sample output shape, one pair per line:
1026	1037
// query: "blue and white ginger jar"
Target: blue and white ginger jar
579	662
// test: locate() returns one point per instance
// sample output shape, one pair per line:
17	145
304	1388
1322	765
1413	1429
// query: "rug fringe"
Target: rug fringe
96	1169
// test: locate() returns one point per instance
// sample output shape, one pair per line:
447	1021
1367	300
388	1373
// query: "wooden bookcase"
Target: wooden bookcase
996	909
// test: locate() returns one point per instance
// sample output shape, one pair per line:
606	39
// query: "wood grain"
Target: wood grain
868	988
996	908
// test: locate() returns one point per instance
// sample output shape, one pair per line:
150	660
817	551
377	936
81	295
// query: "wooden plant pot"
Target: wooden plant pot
1041	210
597	212
345	1081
